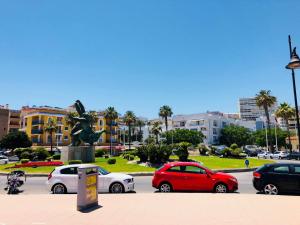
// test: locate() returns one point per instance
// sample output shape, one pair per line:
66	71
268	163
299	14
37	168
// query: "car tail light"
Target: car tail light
257	175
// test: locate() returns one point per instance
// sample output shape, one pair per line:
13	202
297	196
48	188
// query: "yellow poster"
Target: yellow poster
91	180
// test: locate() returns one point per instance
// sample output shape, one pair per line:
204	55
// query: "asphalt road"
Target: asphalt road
36	185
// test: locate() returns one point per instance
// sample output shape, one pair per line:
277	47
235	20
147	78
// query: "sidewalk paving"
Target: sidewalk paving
152	209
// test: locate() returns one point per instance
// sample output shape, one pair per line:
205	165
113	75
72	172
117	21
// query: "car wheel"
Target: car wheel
116	188
221	188
271	189
59	189
165	187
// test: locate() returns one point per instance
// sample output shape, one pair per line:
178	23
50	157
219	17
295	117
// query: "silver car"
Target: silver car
280	155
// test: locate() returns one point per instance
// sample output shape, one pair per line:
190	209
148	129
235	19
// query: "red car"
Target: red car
191	176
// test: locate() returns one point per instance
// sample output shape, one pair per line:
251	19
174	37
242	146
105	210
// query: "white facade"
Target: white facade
210	124
250	111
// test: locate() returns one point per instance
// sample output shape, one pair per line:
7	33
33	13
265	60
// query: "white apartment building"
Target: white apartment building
250	111
210	124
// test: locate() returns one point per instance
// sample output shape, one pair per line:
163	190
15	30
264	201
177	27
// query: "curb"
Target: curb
143	174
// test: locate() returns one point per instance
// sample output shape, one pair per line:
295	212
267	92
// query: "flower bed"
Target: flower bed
38	164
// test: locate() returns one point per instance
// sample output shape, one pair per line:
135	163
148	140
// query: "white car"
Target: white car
280	155
3	160
64	179
265	155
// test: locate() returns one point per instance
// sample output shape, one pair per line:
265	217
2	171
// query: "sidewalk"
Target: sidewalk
152	209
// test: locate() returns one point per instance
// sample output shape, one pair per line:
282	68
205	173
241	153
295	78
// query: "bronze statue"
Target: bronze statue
83	129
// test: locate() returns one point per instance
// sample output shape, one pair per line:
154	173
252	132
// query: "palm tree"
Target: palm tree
69	118
94	117
165	112
129	119
265	100
51	128
110	115
156	129
140	123
286	112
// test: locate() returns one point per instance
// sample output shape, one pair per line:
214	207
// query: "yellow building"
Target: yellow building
34	120
103	124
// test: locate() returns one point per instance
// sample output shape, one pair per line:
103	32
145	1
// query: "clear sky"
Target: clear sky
193	55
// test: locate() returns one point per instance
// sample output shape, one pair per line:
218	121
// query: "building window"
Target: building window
214	131
215	123
66	138
203	129
101	122
215	139
66	128
182	124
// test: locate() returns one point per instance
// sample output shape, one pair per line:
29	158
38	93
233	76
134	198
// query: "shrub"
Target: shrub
234	146
226	152
25	155
153	153
164	152
242	155
56	157
71	162
212	150
203	150
19	151
41	153
182	151
130	157
142	153
24	161
99	153
111	161
49	159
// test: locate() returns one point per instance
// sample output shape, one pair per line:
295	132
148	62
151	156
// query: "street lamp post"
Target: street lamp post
294	64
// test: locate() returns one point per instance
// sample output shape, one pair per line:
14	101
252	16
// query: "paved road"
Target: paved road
36	185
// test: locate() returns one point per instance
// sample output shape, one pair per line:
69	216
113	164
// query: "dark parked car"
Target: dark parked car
277	178
251	150
294	155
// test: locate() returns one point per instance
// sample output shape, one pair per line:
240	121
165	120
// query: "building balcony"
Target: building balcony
36	131
37	122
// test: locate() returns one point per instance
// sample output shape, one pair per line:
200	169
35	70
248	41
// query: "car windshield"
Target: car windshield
103	171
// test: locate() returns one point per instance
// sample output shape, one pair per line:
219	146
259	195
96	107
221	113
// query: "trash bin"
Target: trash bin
87	194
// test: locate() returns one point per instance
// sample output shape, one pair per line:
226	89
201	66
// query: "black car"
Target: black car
294	155
277	178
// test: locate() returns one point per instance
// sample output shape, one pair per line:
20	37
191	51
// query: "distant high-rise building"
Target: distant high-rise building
250	111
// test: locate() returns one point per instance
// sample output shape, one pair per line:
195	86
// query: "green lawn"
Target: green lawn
211	162
214	162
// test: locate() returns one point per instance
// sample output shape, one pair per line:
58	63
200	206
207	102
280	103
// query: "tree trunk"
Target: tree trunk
166	122
289	134
51	143
156	138
129	136
269	129
110	139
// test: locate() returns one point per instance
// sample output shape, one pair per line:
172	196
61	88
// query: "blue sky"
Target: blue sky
138	55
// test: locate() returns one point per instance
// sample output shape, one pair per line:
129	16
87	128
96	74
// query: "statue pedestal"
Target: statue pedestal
84	153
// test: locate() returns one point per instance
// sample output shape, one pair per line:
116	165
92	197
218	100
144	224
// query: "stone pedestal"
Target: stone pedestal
84	153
